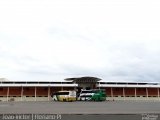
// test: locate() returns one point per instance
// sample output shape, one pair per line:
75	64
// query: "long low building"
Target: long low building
42	90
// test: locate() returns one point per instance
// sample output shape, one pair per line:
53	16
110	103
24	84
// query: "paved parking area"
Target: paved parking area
107	107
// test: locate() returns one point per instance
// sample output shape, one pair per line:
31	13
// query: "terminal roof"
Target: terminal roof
83	79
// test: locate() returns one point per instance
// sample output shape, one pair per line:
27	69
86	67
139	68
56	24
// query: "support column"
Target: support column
135	93
49	93
22	93
147	92
124	93
62	88
75	89
158	91
7	93
99	85
111	92
35	95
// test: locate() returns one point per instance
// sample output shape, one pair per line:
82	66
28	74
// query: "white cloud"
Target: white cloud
48	40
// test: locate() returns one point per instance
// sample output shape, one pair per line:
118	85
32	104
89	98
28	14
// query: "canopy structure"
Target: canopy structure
3	79
86	79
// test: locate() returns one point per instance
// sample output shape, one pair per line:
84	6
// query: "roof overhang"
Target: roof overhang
84	79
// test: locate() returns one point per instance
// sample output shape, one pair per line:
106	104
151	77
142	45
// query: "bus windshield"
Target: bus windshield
61	93
87	91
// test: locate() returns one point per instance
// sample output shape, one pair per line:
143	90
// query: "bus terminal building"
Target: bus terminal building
42	90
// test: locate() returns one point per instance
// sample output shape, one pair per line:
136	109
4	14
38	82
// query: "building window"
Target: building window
1	89
27	89
46	89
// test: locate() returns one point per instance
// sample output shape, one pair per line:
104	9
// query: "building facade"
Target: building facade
42	90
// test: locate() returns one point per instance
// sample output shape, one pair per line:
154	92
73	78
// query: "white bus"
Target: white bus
64	96
85	95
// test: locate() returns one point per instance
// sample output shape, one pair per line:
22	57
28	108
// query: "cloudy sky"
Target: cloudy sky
116	40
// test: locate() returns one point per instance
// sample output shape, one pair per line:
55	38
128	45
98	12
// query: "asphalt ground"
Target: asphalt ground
108	110
107	107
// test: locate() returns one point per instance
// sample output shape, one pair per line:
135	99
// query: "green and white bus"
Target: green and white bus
64	96
92	95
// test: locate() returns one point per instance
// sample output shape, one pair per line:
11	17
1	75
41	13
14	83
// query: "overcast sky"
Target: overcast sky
115	40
